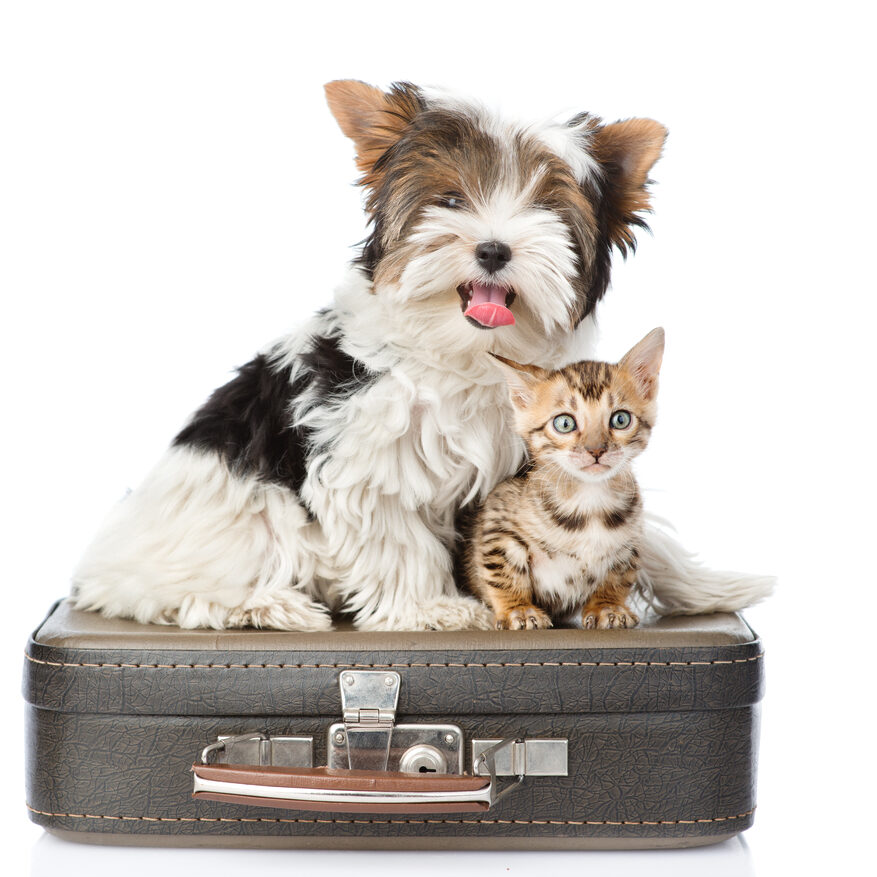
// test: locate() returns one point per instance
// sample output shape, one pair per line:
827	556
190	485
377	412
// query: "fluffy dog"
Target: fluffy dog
328	473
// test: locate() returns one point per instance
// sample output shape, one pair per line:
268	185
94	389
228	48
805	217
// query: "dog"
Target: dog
327	475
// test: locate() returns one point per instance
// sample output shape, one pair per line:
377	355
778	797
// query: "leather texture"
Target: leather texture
662	737
590	673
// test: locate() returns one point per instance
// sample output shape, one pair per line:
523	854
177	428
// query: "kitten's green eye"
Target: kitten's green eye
564	423
620	420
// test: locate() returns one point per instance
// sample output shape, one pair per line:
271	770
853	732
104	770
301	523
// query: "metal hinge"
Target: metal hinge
369	697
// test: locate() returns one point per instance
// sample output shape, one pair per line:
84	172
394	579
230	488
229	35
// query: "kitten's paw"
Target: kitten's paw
523	618
607	617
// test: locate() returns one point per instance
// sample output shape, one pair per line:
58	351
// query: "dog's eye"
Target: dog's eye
454	200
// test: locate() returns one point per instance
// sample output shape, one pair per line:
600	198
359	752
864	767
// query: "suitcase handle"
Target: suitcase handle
330	790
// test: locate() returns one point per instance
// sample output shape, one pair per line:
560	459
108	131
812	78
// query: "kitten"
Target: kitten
564	533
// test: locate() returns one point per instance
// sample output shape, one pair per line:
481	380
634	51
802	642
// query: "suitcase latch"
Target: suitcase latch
370	739
368	707
260	749
532	757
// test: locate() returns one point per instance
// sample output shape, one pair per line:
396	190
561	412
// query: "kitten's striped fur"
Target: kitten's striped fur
565	533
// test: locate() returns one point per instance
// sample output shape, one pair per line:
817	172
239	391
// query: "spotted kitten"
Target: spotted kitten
565	534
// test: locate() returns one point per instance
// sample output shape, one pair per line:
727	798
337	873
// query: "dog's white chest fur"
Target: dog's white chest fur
412	441
450	455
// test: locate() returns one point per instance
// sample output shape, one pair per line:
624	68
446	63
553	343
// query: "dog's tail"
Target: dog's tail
673	582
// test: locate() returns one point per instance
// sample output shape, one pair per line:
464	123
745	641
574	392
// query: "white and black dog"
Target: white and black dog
328	473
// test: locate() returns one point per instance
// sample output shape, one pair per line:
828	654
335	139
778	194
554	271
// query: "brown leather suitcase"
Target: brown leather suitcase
555	739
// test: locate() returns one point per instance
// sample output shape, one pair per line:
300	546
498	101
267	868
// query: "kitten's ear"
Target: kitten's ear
374	120
522	379
643	362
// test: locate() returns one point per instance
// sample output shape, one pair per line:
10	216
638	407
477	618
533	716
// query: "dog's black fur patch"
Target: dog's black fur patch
333	373
607	213
249	420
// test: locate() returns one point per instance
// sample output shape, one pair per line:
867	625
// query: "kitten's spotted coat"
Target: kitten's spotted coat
565	534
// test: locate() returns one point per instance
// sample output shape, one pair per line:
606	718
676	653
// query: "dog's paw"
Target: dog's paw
523	618
444	613
608	616
290	610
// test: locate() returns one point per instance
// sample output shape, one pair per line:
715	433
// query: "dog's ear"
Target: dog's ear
374	120
626	152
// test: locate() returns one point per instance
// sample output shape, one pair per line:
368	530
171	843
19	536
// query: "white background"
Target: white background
175	194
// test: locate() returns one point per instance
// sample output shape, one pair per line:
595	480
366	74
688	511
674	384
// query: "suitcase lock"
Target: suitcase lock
370	739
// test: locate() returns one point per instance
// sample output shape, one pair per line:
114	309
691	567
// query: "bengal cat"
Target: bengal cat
563	535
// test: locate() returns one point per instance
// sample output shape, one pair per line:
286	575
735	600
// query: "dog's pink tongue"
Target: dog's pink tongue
487	306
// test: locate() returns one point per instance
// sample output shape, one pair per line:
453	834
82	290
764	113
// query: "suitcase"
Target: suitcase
548	739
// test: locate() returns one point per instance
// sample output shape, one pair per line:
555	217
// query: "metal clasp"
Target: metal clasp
368	707
533	757
259	749
487	761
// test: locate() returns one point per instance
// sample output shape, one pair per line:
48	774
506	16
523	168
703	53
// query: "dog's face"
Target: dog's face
488	234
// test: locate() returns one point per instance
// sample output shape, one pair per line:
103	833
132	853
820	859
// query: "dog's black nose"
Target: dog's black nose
493	255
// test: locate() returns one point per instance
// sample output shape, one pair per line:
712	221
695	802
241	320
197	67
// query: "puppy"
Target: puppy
327	474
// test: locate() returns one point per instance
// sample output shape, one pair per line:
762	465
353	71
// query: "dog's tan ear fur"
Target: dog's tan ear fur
374	120
627	150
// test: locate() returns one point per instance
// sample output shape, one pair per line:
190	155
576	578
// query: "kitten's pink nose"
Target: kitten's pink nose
596	452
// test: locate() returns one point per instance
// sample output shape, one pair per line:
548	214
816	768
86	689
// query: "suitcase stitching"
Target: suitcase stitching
393	821
121	666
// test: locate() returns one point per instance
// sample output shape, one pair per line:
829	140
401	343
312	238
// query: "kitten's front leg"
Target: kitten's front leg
607	607
504	584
